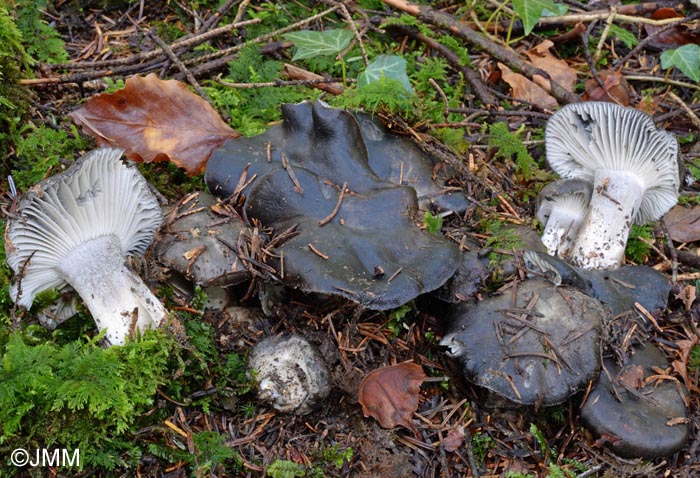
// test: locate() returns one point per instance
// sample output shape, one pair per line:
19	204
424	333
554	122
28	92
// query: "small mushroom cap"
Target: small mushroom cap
574	191
647	417
98	195
581	138
538	347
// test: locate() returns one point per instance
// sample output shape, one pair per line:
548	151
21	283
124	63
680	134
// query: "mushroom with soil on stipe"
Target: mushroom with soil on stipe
632	165
561	208
78	227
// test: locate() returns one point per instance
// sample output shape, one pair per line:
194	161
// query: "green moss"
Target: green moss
78	395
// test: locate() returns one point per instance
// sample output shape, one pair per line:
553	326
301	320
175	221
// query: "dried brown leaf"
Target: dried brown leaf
391	394
558	70
688	295
683	223
673	37
526	90
155	120
615	89
454	439
632	376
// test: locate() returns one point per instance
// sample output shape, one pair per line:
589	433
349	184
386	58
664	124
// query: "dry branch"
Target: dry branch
500	53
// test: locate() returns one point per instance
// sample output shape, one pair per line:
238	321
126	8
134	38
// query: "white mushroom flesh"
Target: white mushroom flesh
78	227
564	220
634	168
117	298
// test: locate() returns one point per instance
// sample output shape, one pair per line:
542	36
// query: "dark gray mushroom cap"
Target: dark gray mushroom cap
348	231
583	137
575	192
538	347
200	239
96	196
641	418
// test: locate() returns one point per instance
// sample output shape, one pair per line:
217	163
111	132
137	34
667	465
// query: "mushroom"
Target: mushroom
561	207
636	411
632	165
536	344
290	373
78	227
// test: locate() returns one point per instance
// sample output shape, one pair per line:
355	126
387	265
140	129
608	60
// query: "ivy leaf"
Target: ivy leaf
311	43
625	36
685	58
530	11
387	66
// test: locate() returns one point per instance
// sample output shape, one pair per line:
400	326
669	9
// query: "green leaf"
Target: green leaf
387	66
685	58
625	36
311	43
530	11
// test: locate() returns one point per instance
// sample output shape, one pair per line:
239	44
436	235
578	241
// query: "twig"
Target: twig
590	17
353	27
288	167
668	81
691	114
173	57
335	210
480	90
671	247
149	55
278	83
500	53
604	34
651	37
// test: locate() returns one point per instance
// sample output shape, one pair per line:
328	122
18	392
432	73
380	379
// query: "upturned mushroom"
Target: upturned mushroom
78	227
290	373
632	165
561	208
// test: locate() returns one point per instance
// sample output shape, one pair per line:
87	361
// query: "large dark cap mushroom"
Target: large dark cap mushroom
535	344
632	165
561	207
354	234
77	228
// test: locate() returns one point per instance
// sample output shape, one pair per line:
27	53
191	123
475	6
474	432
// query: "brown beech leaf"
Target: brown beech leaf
454	439
526	90
155	120
558	70
616	88
673	37
391	394
683	223
688	294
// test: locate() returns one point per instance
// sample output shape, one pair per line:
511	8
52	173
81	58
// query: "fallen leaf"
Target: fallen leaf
558	70
391	394
615	89
526	90
673	37
632	376
454	439
155	120
687	295
683	223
